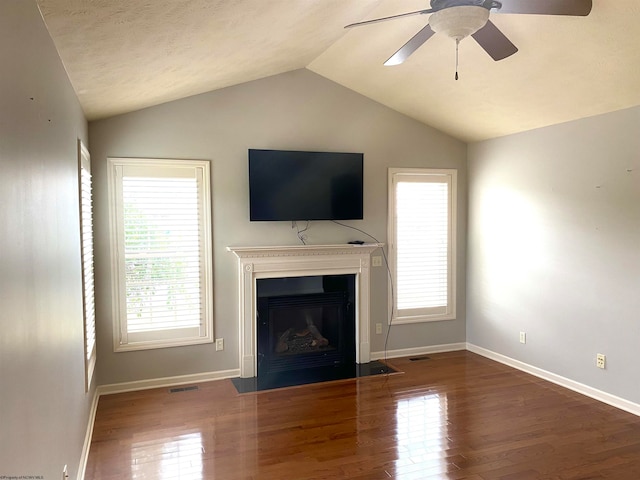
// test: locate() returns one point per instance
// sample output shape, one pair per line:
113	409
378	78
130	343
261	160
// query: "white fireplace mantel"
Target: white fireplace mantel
300	261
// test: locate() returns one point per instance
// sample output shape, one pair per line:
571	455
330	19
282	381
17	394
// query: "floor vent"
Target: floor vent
183	389
417	359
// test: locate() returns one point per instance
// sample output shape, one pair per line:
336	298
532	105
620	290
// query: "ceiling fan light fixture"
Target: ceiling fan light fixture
459	22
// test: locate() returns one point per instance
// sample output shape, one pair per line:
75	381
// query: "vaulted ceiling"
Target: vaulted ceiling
126	55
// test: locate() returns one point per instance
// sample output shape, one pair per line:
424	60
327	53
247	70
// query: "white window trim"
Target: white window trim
449	312
86	259
123	341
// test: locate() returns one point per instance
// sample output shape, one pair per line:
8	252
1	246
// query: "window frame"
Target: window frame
426	314
153	339
87	264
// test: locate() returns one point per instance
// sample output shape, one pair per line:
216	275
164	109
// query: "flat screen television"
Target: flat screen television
291	185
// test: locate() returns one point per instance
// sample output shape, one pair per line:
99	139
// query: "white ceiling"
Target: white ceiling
126	55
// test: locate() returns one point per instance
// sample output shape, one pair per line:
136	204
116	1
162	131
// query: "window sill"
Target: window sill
421	319
150	345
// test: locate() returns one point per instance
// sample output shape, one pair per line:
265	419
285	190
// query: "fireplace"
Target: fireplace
305	323
279	263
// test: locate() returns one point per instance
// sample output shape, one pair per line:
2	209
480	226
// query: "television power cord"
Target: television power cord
300	233
391	286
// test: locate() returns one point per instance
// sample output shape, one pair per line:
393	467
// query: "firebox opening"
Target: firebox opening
304	324
303	334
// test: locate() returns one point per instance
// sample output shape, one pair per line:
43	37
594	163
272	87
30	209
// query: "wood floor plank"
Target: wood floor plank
455	416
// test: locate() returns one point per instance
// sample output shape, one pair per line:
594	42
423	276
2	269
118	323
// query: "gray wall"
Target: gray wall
554	249
44	409
297	110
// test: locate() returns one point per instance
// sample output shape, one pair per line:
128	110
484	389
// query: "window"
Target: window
86	253
422	233
160	212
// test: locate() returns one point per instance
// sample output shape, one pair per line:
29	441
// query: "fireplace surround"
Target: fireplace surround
256	263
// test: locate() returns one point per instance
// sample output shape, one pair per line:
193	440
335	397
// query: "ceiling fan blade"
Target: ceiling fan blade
494	42
392	17
411	46
580	8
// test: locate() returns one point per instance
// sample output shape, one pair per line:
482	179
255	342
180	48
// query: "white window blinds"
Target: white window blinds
164	253
86	238
423	243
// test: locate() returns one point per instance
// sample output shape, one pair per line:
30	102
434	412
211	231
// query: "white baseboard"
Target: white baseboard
167	381
88	435
410	352
591	392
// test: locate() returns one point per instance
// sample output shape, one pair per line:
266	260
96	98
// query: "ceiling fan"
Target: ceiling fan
460	18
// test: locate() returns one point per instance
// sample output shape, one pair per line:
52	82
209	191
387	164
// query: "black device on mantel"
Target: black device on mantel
287	185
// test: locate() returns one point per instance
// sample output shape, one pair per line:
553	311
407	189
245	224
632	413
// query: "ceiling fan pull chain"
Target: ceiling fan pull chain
457	45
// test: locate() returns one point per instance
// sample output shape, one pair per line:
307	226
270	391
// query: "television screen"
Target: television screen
290	185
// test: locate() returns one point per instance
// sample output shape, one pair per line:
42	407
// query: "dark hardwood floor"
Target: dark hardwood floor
455	416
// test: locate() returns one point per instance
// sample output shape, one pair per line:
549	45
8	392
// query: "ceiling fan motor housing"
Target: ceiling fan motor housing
460	21
441	4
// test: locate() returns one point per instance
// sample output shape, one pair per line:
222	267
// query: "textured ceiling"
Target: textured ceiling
123	56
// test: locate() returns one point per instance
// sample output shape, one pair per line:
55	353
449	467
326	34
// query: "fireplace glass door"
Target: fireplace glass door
305	331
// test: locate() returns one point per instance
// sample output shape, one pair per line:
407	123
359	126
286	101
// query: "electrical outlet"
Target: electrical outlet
376	261
601	360
219	344
378	328
523	337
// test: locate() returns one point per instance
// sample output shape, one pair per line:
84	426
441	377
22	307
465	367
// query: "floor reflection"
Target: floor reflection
422	436
176	458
